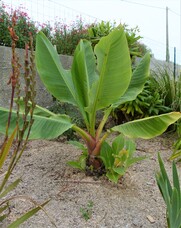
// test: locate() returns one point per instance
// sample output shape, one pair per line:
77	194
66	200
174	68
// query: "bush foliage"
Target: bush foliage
65	37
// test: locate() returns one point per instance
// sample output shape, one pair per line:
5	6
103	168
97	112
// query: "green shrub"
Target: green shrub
133	42
170	92
98	30
5	22
66	38
147	103
24	26
169	87
47	29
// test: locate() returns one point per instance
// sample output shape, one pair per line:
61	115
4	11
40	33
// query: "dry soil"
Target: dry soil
134	202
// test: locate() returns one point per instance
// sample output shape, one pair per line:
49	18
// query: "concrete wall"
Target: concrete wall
43	97
160	65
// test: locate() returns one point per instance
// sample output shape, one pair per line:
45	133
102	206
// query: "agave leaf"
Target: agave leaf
176	182
168	198
3	217
3	209
6	148
170	195
175	155
10	188
161	185
178	220
26	216
174	206
164	176
148	127
57	80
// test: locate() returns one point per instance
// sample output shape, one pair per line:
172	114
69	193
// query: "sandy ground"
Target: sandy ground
134	202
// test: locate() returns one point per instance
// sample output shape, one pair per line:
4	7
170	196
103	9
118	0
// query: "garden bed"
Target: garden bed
134	202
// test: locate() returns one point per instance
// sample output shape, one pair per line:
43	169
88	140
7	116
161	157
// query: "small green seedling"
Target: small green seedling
87	211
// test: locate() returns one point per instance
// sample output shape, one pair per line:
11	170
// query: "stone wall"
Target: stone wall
43	97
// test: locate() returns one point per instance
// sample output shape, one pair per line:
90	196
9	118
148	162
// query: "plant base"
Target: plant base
95	167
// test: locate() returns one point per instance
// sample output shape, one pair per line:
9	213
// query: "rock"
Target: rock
150	219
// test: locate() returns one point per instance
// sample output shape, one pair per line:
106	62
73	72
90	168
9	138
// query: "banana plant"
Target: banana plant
99	79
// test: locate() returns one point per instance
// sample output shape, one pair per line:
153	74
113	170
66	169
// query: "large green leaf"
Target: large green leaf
83	74
138	79
38	110
84	71
114	68
42	128
148	127
57	80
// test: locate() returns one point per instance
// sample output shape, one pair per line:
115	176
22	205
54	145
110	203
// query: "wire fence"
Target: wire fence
50	11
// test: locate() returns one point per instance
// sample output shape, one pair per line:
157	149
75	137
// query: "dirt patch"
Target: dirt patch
134	202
